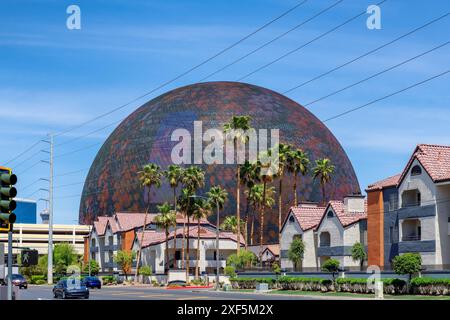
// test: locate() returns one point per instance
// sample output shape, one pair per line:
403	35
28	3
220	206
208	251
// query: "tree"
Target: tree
124	259
331	266
244	258
236	129
249	177
64	255
298	163
359	254
149	176
95	268
166	219
296	252
192	179
323	171
230	224
202	209
407	264
283	155
173	175
255	195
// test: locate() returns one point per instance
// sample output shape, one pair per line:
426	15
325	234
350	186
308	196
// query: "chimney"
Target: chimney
354	203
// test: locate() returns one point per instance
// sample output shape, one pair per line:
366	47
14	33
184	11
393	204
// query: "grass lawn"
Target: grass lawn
351	295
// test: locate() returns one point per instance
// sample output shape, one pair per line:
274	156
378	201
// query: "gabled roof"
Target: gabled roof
345	217
307	216
152	237
385	183
434	159
129	221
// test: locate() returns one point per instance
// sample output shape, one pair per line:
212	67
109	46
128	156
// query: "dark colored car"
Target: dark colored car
70	288
19	281
93	282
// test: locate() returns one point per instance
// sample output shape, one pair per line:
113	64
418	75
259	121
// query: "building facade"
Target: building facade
328	232
410	212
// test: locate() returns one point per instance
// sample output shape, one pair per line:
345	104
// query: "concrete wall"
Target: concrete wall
442	224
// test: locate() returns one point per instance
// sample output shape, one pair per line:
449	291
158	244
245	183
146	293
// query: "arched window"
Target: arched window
291	219
330	214
416	170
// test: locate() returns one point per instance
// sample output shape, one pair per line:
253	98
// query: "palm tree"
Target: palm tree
166	219
230	224
173	174
236	129
249	176
183	204
283	155
254	194
149	176
217	198
298	162
323	171
201	210
193	178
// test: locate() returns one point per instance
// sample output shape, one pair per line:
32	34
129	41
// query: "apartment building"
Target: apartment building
410	212
327	232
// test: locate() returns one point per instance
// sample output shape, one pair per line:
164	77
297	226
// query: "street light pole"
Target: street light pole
217	246
89	250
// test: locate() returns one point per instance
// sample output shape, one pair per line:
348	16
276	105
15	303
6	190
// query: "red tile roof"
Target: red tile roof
256	249
152	237
308	216
385	183
345	217
435	160
129	221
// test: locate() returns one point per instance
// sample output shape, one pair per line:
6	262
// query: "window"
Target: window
298	236
291	219
416	170
330	214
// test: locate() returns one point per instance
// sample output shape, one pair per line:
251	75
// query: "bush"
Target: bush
145	271
305	284
198	282
230	271
95	268
108	280
40	282
430	286
359	285
407	264
276	268
34	279
245	258
250	283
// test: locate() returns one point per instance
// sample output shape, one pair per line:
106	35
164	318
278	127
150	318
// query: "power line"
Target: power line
70	172
385	97
30	167
367	53
185	72
376	74
305	44
271	41
23	152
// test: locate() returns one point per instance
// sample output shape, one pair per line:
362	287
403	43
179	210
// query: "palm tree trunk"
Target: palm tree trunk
166	264
261	227
295	189
323	194
187	244
252	228
197	265
183	244
138	259
175	246
280	206
238	213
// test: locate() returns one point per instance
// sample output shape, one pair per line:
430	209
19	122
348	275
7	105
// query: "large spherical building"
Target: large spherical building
145	136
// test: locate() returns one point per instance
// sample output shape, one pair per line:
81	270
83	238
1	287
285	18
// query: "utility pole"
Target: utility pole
50	212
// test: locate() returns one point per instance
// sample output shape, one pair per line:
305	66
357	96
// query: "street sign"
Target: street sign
29	258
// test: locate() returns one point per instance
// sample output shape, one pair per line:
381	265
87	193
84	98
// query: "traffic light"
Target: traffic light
7	193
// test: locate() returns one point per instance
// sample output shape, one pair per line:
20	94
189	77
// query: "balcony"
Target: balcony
416	246
334	251
111	247
415	237
416	212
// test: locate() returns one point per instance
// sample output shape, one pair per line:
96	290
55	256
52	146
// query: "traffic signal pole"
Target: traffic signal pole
10	262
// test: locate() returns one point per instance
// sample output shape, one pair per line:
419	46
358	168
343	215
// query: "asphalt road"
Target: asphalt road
149	293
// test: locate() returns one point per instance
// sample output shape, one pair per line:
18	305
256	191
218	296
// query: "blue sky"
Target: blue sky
52	78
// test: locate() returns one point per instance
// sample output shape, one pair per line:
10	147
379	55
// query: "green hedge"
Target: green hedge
38	279
359	285
250	283
430	286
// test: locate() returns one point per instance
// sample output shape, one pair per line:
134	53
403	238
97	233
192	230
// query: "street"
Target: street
44	292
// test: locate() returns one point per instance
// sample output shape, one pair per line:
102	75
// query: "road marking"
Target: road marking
194	298
162	296
128	293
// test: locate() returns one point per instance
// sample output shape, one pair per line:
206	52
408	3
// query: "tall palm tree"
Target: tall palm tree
283	155
230	224
255	195
166	219
173	174
201	210
149	176
323	171
249	177
193	178
217	198
236	129
298	163
183	205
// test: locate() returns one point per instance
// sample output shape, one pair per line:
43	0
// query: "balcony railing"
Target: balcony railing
325	244
415	237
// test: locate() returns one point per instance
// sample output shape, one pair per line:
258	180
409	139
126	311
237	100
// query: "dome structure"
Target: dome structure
145	137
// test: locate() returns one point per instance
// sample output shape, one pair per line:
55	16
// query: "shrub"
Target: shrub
230	271
276	268
145	271
198	282
296	252
34	279
95	268
40	282
430	286
305	284
108	280
245	258
250	283
360	285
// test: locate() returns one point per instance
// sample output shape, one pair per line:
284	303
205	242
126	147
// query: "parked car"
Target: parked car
19	281
70	288
93	282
